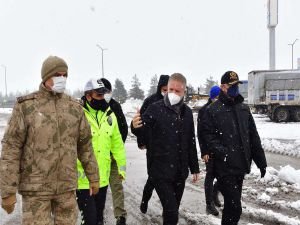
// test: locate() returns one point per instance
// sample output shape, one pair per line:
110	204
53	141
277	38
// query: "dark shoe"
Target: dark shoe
211	209
121	221
100	223
144	207
216	199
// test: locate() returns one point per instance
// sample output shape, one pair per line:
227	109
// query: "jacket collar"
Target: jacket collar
47	93
230	101
177	108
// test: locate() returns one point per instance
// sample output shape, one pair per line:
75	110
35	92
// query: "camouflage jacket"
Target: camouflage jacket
46	134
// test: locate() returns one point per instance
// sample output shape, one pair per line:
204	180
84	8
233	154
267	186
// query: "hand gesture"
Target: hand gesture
137	120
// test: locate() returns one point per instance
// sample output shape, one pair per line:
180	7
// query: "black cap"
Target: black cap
230	77
106	83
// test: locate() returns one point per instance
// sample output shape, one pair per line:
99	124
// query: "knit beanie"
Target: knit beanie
52	65
214	92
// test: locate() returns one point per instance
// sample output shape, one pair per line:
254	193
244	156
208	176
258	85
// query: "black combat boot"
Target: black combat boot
121	221
211	209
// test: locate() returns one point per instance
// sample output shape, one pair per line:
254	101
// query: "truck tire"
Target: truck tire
282	114
296	115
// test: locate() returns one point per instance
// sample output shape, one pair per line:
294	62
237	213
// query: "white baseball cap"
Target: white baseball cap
96	85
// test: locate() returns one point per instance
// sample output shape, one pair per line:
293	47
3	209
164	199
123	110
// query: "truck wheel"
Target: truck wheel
282	115
296	115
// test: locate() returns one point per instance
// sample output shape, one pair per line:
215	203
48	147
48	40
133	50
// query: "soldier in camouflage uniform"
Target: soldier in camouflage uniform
46	134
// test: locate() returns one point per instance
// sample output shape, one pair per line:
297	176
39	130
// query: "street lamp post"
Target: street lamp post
102	50
4	67
293	53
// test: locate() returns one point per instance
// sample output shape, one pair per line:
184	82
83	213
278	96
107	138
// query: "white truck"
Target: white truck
275	92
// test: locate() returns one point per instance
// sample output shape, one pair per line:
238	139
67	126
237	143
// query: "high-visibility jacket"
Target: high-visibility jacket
107	142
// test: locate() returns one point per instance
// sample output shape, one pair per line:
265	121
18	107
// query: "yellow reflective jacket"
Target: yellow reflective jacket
107	142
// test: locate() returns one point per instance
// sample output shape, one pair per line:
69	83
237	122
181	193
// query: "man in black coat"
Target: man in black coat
229	130
162	89
115	180
211	189
168	128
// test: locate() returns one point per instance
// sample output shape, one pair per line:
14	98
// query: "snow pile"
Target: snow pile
295	205
270	216
264	198
289	175
276	146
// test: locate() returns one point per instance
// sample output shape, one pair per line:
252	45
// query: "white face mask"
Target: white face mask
163	93
59	84
107	97
173	98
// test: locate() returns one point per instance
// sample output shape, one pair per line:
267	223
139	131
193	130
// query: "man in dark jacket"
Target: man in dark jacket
168	128
162	89
115	181
211	189
229	130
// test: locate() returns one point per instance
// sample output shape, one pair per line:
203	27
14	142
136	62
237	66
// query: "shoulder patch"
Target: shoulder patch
27	97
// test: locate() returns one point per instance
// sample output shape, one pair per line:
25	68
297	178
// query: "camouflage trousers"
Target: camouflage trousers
115	183
50	209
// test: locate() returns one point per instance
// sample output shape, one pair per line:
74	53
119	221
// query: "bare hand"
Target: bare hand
196	177
137	120
205	158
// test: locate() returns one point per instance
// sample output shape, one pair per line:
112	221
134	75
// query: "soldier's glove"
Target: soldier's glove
94	188
262	172
8	203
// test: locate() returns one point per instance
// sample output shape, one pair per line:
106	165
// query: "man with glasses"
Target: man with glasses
229	131
46	134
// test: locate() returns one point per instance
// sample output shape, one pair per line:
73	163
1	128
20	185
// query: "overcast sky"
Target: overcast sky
198	38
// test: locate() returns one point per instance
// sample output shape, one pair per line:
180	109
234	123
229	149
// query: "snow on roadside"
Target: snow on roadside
270	216
281	138
6	110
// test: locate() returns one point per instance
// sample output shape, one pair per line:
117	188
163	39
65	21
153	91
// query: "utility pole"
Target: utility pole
293	52
4	67
272	23
102	50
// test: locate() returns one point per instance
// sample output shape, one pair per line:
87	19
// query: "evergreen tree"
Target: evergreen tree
119	92
153	85
135	92
77	93
209	83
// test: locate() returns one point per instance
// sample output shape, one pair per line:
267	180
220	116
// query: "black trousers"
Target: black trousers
91	207
231	188
170	194
148	190
209	186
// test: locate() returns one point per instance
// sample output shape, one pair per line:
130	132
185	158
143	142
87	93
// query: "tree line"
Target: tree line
120	93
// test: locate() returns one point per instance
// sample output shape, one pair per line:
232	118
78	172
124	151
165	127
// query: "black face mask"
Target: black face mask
99	104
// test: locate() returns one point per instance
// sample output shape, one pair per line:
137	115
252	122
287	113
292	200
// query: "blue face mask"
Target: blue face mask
233	91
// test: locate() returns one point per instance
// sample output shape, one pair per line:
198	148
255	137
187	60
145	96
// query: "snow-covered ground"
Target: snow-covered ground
274	199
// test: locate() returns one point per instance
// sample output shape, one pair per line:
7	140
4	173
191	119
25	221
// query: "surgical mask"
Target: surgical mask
107	97
59	84
99	104
174	99
163	93
233	91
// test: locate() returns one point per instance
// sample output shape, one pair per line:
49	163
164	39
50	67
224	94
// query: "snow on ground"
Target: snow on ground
274	199
281	138
6	110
